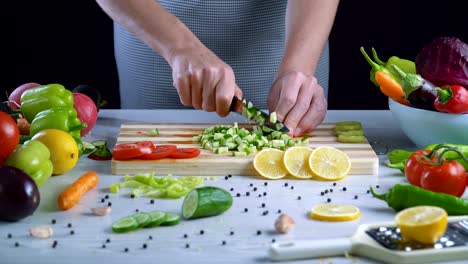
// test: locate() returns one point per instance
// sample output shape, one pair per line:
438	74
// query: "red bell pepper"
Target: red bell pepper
452	99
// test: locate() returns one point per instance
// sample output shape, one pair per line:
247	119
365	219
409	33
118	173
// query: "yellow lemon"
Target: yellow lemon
424	224
296	162
329	163
63	149
335	213
269	164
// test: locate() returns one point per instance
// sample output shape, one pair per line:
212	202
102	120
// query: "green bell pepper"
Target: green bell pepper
44	97
58	117
33	157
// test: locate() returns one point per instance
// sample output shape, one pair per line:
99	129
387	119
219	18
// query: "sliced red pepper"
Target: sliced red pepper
185	153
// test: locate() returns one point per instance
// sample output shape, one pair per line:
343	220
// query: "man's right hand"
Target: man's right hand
203	80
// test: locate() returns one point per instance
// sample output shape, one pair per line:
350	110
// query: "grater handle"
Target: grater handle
309	249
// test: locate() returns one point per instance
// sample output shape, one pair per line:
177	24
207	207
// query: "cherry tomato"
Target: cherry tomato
160	151
185	153
415	167
448	177
127	151
9	135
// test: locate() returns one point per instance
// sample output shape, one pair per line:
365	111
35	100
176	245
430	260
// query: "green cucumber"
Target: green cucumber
206	201
143	219
156	218
125	224
171	219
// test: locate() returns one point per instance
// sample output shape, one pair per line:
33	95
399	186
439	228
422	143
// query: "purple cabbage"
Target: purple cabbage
444	61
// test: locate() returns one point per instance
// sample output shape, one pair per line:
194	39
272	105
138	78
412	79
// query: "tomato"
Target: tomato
415	167
127	151
448	177
185	153
160	151
9	135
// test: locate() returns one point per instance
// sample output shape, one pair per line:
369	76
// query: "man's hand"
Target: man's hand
298	101
204	81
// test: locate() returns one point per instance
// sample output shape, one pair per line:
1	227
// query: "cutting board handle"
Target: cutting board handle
309	249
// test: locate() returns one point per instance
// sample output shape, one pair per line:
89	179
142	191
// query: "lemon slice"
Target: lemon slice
329	163
335	213
269	164
296	162
424	224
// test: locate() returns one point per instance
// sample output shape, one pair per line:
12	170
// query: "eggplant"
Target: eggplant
419	92
19	195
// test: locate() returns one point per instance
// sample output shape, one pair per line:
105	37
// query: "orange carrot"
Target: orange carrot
390	87
70	196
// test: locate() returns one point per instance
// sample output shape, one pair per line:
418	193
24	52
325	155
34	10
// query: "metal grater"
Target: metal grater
389	237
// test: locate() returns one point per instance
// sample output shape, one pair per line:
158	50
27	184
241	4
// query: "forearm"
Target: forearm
153	24
308	25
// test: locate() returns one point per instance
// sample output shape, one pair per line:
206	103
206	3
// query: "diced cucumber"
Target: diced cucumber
221	150
171	219
206	201
156	218
273	117
197	138
114	188
125	224
239	154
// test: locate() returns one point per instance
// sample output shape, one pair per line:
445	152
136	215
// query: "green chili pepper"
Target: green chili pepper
398	155
58	117
33	157
404	64
405	196
375	68
44	97
451	155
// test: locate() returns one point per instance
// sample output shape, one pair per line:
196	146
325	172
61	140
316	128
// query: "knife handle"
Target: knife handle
281	251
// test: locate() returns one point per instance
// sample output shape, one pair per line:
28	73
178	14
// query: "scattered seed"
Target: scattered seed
255	189
377	186
328	200
326	191
202	232
355	196
246	210
273	240
223	243
263	205
292	187
145	246
132	196
109	204
247	194
108	240
251	184
322	193
126	249
107	196
103	200
9	236
69	225
103	245
54	244
260	195
238	194
286	184
187	245
331	190
226	177
136	210
72	232
229	175
368	191
259	232
299	198
279	211
334	184
150	237
265	183
231	233
54	221
152	201
284	223
264	193
16	244
344	189
265	213
101	211
40	231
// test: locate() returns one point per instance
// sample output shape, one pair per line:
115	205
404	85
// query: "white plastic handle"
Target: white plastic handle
309	249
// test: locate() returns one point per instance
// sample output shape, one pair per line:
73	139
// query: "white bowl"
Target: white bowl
425	127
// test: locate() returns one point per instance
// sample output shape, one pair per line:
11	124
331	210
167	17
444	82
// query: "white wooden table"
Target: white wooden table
168	244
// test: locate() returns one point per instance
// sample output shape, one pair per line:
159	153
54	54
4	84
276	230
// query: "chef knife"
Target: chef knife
252	113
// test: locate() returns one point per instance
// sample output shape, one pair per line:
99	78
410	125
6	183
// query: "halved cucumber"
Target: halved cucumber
156	218
206	201
171	219
125	224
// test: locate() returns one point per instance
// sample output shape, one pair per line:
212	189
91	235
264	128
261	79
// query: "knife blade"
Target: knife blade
250	112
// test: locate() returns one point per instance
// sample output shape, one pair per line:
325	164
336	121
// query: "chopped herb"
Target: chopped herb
153	132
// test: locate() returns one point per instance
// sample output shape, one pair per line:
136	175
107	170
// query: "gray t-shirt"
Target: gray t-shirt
249	35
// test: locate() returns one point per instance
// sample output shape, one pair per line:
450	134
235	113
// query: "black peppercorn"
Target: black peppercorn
273	240
150	237
247	194
109	204
229	175
202	232
344	189
322	193
255	189
54	221
103	200
331	190
69	225
292	187
279	211
286	184
328	200
264	193
246	210
231	233
108	240
265	213
126	249
355	196
259	232
103	245
326	191
145	246
265	183
185	235
377	186
132	196
152	201
16	244
263	205
226	177
334	184
9	236
298	197
251	184
223	243
136	210
72	232
107	196
238	194
368	191
187	245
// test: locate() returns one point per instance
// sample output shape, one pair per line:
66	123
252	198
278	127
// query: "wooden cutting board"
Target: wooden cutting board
364	160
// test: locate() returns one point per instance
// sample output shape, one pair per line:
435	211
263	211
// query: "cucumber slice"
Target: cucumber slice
206	201
156	218
143	219
171	219
124	225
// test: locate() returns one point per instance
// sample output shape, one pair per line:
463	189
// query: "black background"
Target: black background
71	42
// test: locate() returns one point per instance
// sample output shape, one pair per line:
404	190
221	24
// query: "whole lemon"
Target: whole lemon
63	149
